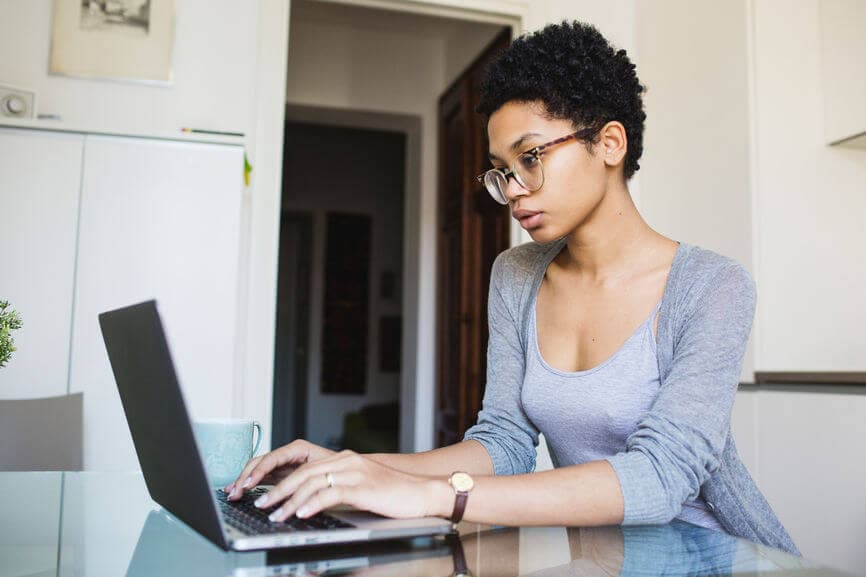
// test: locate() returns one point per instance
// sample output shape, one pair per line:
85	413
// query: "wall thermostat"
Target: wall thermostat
17	102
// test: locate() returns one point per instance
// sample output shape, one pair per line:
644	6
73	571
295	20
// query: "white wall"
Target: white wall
616	19
214	75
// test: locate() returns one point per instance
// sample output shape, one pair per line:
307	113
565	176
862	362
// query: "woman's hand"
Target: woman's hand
275	466
349	478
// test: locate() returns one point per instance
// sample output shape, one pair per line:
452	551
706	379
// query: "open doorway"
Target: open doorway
337	371
384	70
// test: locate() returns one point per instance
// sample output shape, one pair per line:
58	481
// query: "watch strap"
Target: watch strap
460	499
457	555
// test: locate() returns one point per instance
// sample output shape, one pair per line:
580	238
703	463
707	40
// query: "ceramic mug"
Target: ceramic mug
226	445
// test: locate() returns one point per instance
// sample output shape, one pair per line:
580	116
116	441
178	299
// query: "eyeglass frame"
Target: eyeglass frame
536	151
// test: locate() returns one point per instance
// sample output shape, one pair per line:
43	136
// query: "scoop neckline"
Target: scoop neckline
555	249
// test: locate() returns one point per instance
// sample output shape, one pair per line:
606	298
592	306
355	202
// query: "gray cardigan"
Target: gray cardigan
683	445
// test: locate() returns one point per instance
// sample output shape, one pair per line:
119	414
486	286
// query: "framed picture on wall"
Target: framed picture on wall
346	307
113	39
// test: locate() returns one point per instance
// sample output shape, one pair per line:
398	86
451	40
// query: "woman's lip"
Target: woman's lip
529	220
520	214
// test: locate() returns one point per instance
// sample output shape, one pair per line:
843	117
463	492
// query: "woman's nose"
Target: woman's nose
514	189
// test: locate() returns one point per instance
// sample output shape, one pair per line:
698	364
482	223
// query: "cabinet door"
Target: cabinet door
39	183
159	220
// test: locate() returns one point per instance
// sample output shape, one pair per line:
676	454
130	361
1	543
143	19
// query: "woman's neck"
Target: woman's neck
613	240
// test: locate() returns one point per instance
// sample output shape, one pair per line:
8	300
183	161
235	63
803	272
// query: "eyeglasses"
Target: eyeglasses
526	168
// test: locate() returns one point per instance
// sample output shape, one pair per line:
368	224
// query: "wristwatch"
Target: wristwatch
462	484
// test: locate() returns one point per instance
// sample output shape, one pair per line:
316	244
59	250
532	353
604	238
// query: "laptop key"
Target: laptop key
244	515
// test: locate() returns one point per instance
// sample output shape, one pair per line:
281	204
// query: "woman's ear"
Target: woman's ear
613	142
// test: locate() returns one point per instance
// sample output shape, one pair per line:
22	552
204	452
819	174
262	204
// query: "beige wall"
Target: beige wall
694	177
810	242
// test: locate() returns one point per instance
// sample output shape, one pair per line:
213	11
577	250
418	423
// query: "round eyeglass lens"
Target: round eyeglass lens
495	182
529	172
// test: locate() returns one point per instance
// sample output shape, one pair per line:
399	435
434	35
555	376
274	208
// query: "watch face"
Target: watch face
462	482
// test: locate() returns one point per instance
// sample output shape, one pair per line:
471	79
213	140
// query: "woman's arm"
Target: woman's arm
576	496
469	456
579	495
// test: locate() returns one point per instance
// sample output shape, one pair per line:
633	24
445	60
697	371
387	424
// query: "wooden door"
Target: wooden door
473	229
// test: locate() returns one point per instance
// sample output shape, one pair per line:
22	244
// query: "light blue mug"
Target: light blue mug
226	445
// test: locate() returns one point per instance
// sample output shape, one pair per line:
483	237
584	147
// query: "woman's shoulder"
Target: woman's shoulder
515	271
697	272
524	260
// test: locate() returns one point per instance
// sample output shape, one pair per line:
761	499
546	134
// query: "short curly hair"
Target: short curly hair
577	75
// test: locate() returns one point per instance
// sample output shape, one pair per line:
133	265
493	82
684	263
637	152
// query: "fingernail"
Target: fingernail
229	488
273	516
260	502
235	492
248	483
303	512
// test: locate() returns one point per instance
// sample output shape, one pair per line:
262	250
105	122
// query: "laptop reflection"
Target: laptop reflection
167	546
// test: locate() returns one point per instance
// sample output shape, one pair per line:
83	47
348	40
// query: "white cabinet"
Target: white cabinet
843	38
157	219
804	449
39	191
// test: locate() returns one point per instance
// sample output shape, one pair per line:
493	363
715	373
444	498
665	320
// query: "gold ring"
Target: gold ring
330	478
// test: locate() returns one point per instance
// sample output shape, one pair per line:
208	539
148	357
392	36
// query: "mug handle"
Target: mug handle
258	429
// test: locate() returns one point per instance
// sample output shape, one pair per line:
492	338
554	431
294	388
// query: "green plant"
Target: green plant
9	321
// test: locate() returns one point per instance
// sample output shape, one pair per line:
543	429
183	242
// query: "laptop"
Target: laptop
173	468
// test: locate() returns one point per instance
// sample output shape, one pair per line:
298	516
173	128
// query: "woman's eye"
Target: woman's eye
528	160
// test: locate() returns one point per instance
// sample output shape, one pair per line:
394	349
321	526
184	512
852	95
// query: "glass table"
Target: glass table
106	525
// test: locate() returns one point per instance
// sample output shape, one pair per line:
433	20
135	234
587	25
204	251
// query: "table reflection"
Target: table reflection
104	525
166	546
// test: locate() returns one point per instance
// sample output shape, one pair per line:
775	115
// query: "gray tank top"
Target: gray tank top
588	415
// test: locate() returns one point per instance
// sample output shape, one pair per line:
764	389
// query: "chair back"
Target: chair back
41	434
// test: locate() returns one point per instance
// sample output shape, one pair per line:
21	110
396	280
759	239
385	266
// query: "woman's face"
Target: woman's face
575	180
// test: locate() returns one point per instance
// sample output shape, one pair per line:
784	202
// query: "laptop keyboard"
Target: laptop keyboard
245	516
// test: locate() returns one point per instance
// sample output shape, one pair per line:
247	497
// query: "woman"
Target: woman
622	346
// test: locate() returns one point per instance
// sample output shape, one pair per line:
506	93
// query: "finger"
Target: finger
304	492
234	488
325	499
343	486
260	467
287	487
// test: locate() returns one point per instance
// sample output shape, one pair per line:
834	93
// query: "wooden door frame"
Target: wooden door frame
261	226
